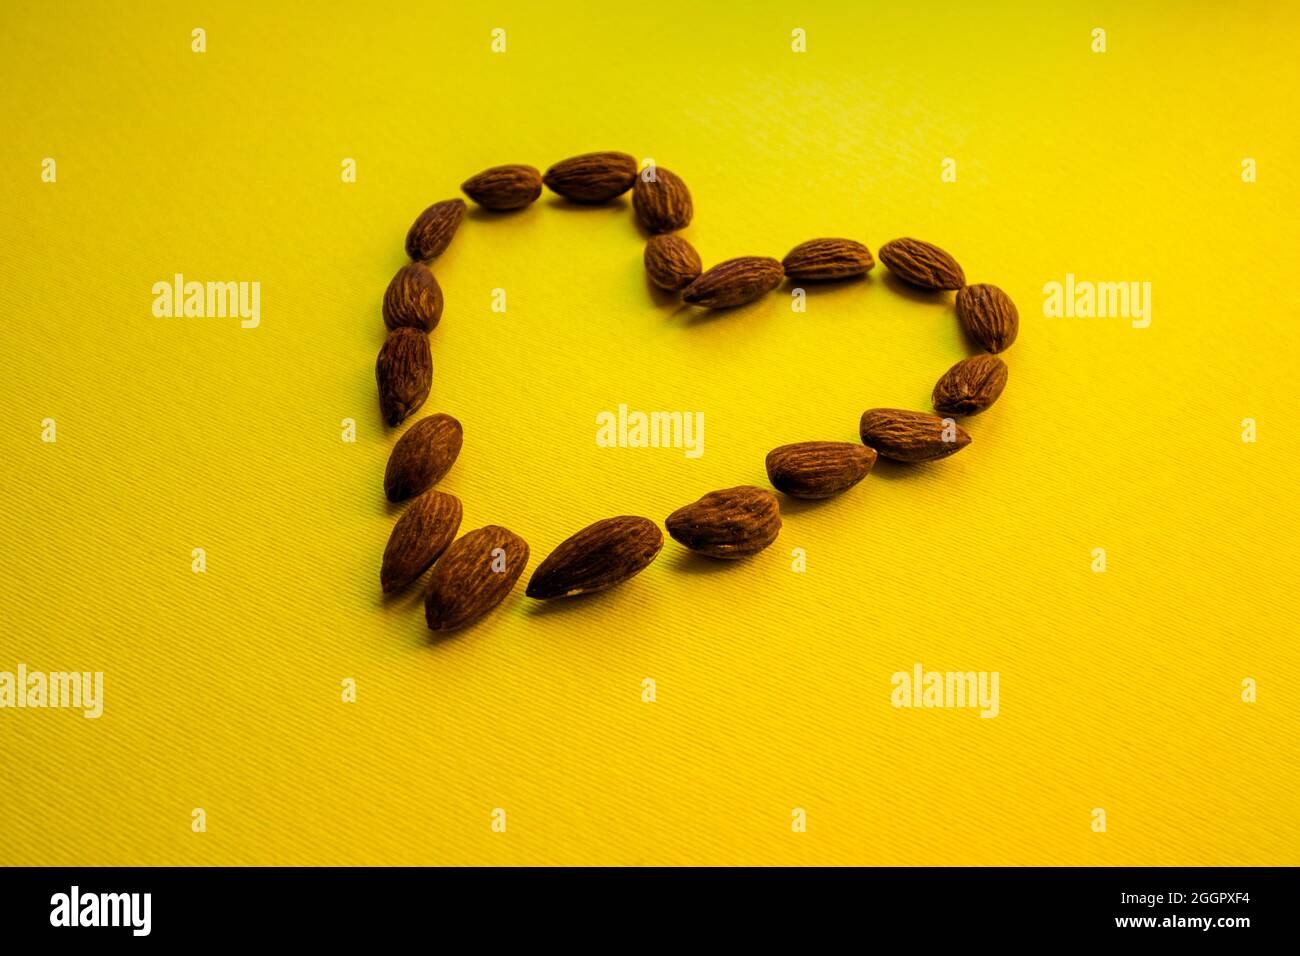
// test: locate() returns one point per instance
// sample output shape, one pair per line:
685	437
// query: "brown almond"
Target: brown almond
475	575
970	386
661	200
592	177
731	523
422	533
988	316
911	436
404	372
820	259
422	456
599	556
502	188
432	230
922	265
671	262
413	299
818	469
734	282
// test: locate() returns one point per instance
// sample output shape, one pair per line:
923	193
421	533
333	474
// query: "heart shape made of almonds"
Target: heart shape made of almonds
473	574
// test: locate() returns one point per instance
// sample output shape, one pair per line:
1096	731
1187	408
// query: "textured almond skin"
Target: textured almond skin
663	205
464	585
909	436
970	386
988	316
734	282
599	556
671	262
502	188
422	456
413	299
592	177
922	265
818	469
432	230
731	523
422	533
404	373
818	260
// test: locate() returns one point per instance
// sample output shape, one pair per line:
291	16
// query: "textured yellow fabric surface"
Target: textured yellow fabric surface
1120	690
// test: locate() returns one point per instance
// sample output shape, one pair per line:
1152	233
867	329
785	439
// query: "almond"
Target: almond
734	282
988	316
911	436
818	469
922	265
474	576
819	259
592	177
731	523
502	188
663	204
432	230
671	262
970	386
413	299
599	556
404	372
422	533
422	456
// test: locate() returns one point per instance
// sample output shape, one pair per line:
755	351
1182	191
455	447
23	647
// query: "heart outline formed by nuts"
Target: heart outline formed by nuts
473	574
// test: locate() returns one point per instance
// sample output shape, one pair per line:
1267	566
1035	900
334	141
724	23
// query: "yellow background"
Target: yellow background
1118	690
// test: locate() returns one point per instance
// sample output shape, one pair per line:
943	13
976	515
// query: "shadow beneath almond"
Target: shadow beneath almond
894	470
911	292
690	562
816	287
431	639
792	507
660	297
405	599
645	234
543	607
479	214
699	315
618	205
438	638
